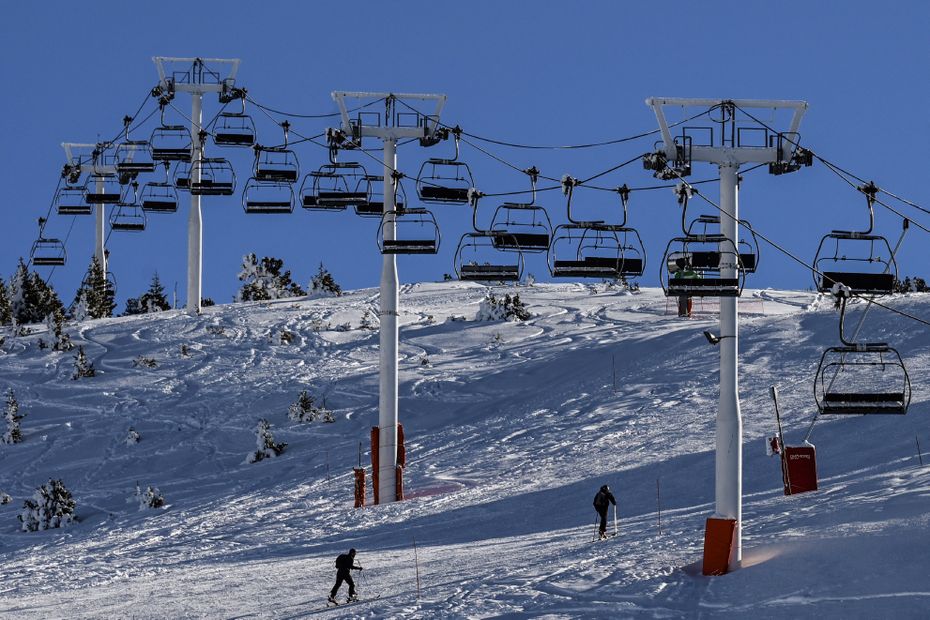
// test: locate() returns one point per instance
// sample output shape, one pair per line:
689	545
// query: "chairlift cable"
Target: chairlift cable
296	115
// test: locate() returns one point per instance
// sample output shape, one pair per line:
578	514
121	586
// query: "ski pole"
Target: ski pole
596	517
616	531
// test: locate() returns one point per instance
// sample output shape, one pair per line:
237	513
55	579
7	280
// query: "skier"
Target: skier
602	502
344	563
684	270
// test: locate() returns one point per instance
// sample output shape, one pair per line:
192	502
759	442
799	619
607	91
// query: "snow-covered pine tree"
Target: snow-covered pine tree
83	367
132	307
132	437
5	499
6	308
506	309
264	280
14	433
31	299
323	284
304	409
368	321
154	300
51	506
96	294
267	448
56	327
150	498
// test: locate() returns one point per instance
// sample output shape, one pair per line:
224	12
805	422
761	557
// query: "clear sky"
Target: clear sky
532	73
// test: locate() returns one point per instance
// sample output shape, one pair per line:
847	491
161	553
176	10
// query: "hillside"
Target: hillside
511	428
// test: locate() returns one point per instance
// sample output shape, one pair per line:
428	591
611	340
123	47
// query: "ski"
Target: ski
331	605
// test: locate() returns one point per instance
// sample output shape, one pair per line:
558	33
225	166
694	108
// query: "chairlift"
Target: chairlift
748	248
415	232
171	143
128	216
234	128
477	260
182	175
267	197
445	181
860	260
374	206
72	200
522	227
159	197
275	164
861	378
47	252
334	187
102	188
134	156
212	177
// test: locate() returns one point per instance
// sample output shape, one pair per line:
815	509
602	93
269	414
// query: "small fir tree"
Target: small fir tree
154	300
83	367
5	499
96	297
304	410
56	327
133	437
323	284
14	433
6	308
132	307
267	448
266	279
507	309
31	298
51	506
150	498
367	322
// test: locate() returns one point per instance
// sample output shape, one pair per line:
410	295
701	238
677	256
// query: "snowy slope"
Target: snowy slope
511	429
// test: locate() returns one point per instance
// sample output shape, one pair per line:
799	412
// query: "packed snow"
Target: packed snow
511	428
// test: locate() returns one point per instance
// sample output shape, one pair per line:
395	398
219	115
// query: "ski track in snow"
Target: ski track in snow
511	427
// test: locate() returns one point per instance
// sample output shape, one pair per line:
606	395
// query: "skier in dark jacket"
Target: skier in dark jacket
344	563
602	502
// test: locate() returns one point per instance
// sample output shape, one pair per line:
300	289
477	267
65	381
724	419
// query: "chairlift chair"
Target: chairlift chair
234	129
268	197
415	232
109	190
72	200
171	143
159	197
334	187
128	216
477	260
374	206
214	177
521	227
862	262
705	257
47	252
276	164
445	181
594	250
134	157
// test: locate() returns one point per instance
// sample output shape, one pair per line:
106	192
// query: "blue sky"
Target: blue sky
532	73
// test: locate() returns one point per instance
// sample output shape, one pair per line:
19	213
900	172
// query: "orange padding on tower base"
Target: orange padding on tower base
359	487
719	537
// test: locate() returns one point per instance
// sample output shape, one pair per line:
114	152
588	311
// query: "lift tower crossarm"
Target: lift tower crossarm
386	131
82	166
200	86
732	155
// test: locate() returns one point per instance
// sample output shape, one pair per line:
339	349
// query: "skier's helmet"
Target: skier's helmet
605	488
351	551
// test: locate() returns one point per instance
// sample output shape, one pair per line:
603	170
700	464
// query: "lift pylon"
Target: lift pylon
733	136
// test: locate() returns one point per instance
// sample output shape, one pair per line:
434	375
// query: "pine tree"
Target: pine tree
265	280
56	322
267	448
154	300
96	296
132	307
150	498
6	308
51	506
83	367
13	417
367	322
304	409
324	284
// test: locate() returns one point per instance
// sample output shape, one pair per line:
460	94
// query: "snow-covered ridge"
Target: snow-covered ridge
511	428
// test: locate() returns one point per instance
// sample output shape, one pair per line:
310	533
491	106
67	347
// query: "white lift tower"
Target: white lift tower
392	127
740	139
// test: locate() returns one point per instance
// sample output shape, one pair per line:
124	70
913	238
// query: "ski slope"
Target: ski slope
511	428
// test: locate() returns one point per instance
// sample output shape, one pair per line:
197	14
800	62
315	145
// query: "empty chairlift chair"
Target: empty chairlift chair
71	200
445	181
102	189
212	177
477	260
335	187
522	227
415	232
47	252
268	197
234	128
860	260
171	142
275	164
134	157
374	206
861	378
128	216
159	197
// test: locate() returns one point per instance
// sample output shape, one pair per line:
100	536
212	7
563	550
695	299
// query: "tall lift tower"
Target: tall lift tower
390	128
88	158
195	76
739	139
